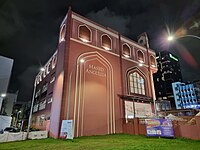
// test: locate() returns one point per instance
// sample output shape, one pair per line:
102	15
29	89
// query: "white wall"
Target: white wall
5	121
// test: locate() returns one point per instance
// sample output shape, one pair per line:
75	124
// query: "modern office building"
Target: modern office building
185	95
197	89
92	78
6	65
8	104
168	72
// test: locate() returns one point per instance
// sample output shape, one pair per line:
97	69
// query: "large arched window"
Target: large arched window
126	50
85	33
136	83
140	56
106	42
152	61
62	33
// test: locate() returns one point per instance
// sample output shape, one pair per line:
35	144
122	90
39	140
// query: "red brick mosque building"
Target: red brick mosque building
93	78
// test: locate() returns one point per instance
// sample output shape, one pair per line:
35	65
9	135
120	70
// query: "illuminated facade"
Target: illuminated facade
93	66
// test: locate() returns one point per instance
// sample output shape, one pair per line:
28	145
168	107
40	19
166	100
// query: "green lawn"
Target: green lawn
107	142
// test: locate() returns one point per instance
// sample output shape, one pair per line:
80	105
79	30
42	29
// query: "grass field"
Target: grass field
107	142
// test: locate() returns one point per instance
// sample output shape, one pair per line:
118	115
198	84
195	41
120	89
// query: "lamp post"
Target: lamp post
17	118
31	111
32	102
69	88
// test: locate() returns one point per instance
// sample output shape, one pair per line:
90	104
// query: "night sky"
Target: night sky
29	31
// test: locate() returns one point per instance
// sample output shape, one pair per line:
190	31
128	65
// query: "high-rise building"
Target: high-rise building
93	74
197	89
185	95
168	72
6	65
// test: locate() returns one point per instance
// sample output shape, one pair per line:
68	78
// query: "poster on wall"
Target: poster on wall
142	110
67	129
159	127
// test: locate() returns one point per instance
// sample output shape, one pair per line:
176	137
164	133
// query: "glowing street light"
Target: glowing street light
3	95
32	103
170	38
42	69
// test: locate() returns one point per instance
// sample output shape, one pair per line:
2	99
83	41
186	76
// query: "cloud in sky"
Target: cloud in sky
110	19
29	29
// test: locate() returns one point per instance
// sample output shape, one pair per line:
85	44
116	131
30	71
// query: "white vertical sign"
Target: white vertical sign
67	129
70	133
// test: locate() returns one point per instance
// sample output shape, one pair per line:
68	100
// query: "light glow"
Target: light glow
84	40
170	38
171	56
106	48
127	56
42	69
141	61
3	95
82	60
140	65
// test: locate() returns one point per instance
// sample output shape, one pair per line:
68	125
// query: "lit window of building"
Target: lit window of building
44	88
50	100
136	83
84	33
52	79
140	56
152	61
106	42
37	93
126	50
62	33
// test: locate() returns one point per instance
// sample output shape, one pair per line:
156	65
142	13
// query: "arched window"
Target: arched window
126	50
152	61
140	56
136	83
106	42
85	33
62	33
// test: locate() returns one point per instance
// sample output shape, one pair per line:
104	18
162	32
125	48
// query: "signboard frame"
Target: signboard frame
67	130
159	127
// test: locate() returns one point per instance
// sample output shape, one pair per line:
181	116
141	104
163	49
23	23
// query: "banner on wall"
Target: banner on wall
159	127
142	110
67	129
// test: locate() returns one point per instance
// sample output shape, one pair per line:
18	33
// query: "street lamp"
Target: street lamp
42	69
31	111
172	38
3	95
32	102
17	118
69	88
